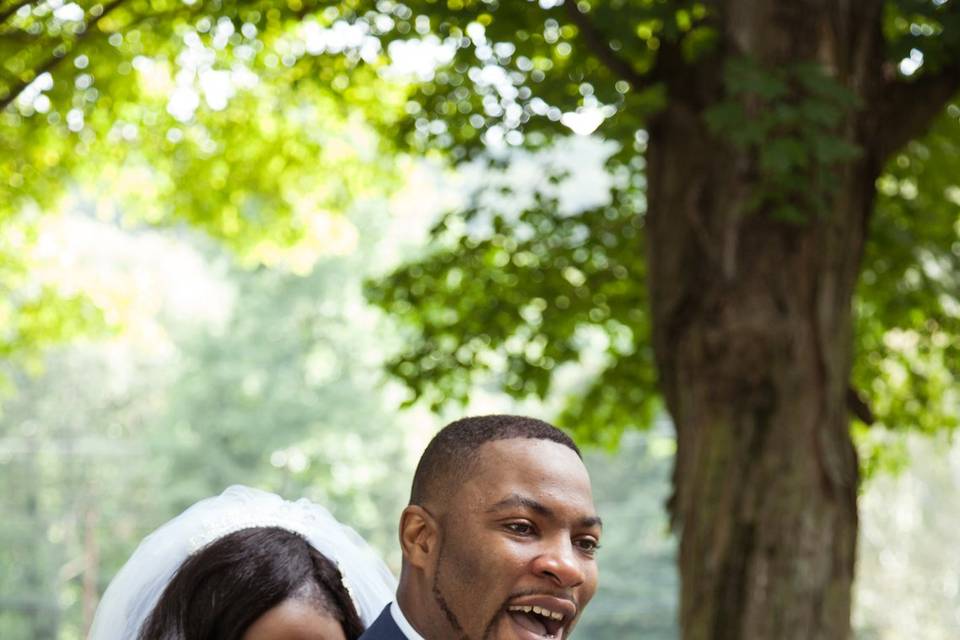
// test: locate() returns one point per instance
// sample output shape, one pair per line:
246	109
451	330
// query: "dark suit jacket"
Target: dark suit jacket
383	628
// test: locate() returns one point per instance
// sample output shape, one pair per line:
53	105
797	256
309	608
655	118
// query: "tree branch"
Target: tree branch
12	9
600	46
48	65
53	61
859	408
906	109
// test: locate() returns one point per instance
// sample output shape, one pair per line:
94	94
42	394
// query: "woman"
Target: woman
246	565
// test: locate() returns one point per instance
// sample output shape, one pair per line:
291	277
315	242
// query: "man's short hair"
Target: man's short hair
448	459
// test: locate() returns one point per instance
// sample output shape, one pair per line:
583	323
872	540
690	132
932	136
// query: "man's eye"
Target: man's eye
520	528
587	545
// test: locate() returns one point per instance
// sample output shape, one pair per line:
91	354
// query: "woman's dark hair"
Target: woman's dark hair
221	590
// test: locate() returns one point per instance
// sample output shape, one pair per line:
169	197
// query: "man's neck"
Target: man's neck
413	607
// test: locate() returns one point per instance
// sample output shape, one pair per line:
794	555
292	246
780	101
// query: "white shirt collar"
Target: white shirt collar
405	627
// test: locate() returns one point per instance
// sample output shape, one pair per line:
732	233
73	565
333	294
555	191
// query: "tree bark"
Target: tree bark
753	339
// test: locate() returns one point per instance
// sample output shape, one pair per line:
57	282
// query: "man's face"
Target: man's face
516	555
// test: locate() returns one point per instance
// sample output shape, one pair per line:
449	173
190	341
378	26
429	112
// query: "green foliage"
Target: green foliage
285	395
548	301
34	312
258	172
213	115
789	120
111	440
78	489
517	67
116	436
930	28
543	290
908	301
48	317
792	120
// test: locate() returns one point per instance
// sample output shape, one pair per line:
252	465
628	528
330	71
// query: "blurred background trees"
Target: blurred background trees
250	376
195	195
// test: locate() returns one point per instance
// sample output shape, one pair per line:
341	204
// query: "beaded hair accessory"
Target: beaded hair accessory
285	515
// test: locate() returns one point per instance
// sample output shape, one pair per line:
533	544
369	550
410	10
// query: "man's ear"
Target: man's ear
419	536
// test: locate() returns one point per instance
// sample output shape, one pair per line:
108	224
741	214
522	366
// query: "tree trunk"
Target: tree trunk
753	341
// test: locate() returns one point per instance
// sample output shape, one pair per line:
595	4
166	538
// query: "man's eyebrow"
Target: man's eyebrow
515	500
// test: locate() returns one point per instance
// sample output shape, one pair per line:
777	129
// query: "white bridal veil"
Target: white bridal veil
137	587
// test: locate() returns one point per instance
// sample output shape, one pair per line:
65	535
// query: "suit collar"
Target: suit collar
402	623
384	628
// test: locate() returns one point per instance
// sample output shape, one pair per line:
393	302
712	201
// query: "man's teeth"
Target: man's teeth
538	610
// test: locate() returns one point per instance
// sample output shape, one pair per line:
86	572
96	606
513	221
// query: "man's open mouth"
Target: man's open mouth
540	621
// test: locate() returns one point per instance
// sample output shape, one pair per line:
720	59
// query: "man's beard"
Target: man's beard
448	612
445	608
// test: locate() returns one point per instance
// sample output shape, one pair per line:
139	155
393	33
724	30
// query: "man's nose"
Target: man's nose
560	564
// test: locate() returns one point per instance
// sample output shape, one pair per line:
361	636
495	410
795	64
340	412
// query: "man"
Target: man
499	537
